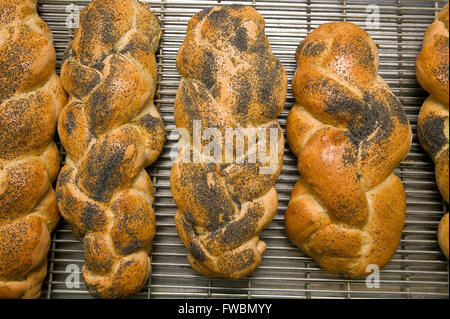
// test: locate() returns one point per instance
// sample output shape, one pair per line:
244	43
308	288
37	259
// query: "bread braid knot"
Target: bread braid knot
349	133
432	125
230	80
31	97
111	131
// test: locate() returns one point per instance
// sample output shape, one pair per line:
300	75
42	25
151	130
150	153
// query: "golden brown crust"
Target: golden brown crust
432	61
230	79
31	98
349	132
443	235
432	68
111	131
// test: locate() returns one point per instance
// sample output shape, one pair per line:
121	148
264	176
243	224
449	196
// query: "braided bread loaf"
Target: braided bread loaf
432	125
230	80
31	98
349	132
111	131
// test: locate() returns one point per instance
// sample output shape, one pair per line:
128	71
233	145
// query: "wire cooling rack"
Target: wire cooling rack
418	269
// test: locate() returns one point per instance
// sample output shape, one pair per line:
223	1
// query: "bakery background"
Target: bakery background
418	270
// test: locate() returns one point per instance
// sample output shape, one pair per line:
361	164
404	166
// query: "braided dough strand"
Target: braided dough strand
111	131
349	133
31	97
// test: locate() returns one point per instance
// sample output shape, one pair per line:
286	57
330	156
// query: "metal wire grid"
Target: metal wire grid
418	270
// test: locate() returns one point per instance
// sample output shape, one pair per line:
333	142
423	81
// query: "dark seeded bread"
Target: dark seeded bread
230	79
111	131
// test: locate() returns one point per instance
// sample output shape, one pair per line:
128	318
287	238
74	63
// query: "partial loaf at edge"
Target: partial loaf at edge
443	235
31	97
432	70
